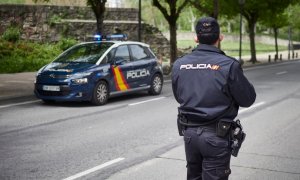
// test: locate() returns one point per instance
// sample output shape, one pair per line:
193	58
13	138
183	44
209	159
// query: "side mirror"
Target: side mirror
119	61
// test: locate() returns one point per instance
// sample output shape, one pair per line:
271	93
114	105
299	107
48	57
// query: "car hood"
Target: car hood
68	68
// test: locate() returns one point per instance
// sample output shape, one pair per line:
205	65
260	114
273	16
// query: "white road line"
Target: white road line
141	102
96	168
251	107
17	104
283	72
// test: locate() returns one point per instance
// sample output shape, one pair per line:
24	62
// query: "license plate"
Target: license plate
51	88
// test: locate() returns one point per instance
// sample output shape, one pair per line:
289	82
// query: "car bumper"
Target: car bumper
65	93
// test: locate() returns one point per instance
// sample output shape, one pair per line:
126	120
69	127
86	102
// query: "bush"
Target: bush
12	34
6	48
25	56
22	56
66	43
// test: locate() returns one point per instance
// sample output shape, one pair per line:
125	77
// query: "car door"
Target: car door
142	65
120	68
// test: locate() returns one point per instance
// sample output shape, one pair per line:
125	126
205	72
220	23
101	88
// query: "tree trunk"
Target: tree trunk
216	9
276	43
251	24
99	10
173	42
100	20
216	14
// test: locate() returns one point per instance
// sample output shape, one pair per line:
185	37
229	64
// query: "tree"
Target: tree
293	13
275	19
171	12
150	14
98	7
211	8
208	7
252	11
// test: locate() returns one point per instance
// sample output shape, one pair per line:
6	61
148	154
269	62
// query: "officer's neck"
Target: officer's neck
217	44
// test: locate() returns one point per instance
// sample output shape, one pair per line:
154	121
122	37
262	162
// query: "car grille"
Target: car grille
55	76
53	93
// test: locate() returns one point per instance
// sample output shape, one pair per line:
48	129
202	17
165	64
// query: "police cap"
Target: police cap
208	30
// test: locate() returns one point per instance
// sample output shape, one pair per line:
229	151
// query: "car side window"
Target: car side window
138	52
122	55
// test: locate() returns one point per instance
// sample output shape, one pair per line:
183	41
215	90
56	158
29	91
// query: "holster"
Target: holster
238	136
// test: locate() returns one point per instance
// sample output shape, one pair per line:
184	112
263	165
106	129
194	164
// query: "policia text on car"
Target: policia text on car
210	87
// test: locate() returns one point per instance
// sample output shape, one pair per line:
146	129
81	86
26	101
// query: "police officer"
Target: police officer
210	87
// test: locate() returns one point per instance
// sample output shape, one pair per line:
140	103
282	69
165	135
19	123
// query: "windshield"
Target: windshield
84	53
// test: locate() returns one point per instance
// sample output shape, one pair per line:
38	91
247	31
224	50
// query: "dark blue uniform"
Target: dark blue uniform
205	83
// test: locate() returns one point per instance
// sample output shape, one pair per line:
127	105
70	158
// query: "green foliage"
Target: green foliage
204	6
25	56
54	20
66	43
293	12
12	34
12	2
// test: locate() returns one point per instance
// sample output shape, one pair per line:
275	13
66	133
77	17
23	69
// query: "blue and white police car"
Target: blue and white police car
95	71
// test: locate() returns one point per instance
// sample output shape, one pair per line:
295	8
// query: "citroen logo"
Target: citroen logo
52	75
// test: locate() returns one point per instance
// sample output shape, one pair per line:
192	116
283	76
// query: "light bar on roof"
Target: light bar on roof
111	37
97	37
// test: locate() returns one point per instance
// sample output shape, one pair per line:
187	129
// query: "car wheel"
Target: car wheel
156	85
100	95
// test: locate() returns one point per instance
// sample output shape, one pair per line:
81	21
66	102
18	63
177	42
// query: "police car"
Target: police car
95	71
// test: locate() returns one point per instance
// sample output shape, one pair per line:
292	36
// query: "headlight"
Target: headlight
80	81
80	78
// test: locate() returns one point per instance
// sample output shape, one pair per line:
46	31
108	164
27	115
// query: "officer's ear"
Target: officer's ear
196	39
221	37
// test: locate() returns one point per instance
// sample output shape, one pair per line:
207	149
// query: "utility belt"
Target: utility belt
185	121
223	127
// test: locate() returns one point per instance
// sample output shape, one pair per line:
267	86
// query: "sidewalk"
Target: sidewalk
16	85
264	58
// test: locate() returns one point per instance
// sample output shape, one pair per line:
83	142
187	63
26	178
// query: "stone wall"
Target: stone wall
46	22
51	23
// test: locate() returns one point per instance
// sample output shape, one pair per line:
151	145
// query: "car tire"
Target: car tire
156	84
100	94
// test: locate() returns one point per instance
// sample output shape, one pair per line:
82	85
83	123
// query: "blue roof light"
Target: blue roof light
120	37
97	37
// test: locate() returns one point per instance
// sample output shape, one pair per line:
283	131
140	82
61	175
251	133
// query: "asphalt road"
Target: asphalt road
39	141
